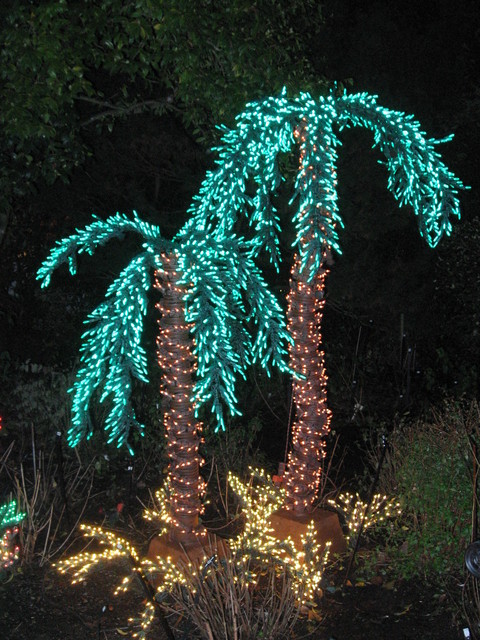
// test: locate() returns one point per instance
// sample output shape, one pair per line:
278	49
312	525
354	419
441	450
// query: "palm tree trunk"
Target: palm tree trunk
309	395
176	359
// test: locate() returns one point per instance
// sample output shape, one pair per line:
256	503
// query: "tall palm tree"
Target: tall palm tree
249	154
209	289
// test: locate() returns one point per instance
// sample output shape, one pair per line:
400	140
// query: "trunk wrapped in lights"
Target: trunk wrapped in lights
306	300
312	417
183	431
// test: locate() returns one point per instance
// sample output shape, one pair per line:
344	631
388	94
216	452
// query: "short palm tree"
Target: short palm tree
249	154
216	317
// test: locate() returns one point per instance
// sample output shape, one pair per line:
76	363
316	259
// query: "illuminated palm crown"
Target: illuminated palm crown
250	151
224	290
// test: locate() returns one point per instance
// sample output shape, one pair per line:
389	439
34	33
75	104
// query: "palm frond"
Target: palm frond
213	304
317	216
90	238
417	175
236	320
249	151
112	354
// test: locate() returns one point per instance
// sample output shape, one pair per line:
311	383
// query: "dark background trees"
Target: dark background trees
107	106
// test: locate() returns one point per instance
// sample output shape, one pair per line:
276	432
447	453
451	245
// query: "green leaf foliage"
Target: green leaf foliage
68	69
429	469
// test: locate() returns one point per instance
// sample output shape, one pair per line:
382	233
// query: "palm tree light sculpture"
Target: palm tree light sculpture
209	287
250	152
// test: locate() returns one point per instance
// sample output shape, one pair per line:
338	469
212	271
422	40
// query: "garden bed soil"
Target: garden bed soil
41	604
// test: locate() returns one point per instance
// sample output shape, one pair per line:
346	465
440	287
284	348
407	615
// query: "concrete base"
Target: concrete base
203	546
285	523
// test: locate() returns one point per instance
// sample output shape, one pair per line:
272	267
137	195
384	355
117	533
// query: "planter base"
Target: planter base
327	526
192	551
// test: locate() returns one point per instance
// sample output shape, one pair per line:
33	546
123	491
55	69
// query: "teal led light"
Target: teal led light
112	355
235	320
250	153
416	174
9	515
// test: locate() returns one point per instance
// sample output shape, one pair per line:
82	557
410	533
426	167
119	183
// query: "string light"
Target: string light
183	431
9	514
306	300
9	549
309	393
355	511
265	129
260	498
112	355
254	549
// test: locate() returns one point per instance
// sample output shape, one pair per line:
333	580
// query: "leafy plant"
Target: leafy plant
97	63
429	467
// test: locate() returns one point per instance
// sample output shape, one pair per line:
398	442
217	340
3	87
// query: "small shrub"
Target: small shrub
429	468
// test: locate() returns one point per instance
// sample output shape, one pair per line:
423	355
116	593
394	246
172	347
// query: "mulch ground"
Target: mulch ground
41	604
403	611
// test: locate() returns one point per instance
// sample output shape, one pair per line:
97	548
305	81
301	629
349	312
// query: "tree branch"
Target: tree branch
112	110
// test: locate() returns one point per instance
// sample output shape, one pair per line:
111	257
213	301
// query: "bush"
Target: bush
428	467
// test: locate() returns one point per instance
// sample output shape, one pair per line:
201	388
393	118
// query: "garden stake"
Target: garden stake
61	476
99	625
473	444
369	502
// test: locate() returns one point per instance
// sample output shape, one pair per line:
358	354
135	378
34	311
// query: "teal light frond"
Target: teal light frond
317	217
236	319
9	515
93	236
270	347
249	154
213	305
264	217
112	354
417	175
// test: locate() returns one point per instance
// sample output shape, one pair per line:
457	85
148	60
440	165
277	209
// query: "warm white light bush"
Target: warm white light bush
358	514
257	588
